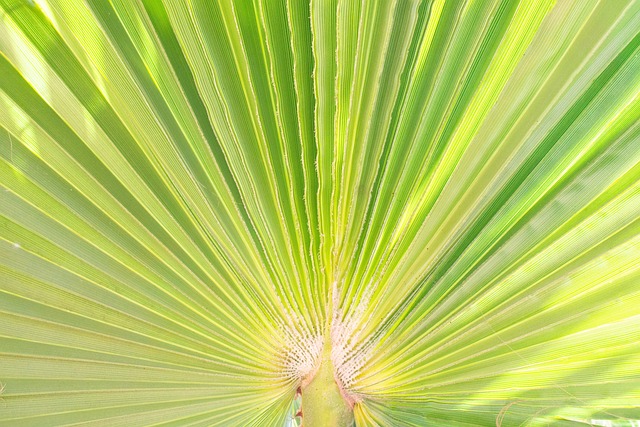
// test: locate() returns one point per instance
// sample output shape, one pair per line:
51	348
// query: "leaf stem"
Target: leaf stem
323	403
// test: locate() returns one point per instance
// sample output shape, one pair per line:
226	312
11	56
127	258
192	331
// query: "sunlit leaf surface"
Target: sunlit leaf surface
196	195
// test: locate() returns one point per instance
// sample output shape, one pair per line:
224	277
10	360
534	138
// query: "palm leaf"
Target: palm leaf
204	204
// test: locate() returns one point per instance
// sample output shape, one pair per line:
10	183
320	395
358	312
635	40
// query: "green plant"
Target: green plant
215	213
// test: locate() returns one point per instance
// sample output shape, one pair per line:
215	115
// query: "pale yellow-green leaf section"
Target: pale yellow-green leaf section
197	198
